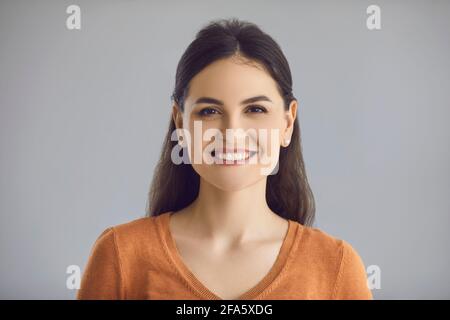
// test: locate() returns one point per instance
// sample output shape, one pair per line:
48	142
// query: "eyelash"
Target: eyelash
263	110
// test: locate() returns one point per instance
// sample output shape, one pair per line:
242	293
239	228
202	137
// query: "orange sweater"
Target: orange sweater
139	260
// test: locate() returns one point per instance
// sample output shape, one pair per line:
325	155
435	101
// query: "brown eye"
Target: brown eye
207	112
257	109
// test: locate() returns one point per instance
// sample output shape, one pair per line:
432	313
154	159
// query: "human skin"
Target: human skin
231	209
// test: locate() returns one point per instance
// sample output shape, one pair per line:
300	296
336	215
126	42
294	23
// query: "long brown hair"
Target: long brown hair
175	186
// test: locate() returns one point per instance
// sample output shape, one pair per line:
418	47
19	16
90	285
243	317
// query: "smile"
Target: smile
230	157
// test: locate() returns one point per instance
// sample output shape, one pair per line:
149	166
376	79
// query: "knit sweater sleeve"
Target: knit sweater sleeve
102	278
351	282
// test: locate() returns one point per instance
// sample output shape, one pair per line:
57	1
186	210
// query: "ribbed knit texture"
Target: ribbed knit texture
140	260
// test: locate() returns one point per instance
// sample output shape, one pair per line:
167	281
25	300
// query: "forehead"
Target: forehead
232	80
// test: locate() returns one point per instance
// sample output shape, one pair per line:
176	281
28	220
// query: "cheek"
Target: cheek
197	131
269	131
266	132
199	141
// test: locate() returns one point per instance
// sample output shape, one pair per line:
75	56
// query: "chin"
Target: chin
232	181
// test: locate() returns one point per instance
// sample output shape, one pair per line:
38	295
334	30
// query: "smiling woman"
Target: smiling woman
228	231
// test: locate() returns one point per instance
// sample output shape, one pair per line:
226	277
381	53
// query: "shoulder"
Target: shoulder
327	243
321	242
322	248
137	227
336	260
131	235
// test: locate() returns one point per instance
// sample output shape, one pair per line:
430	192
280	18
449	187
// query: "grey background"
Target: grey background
84	112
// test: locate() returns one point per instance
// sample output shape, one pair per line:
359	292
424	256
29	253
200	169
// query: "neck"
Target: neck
231	216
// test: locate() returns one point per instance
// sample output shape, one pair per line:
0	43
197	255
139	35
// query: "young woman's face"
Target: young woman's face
261	125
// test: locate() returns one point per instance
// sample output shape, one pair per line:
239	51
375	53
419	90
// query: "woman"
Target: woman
230	209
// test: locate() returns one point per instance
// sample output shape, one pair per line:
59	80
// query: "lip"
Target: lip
225	162
236	150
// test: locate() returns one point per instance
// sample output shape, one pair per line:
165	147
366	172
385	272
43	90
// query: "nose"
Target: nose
231	121
234	132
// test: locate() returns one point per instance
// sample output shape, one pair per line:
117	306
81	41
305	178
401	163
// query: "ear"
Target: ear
177	116
291	114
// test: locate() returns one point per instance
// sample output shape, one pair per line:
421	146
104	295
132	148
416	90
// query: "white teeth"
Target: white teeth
232	156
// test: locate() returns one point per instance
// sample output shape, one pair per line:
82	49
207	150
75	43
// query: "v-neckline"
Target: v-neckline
198	286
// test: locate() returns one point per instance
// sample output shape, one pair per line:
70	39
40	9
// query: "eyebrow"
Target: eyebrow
220	103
